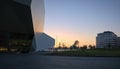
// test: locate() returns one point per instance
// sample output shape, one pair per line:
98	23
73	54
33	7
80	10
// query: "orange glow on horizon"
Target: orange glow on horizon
70	42
68	39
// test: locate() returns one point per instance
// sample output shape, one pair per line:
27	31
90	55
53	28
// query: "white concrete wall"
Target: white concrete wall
38	15
44	42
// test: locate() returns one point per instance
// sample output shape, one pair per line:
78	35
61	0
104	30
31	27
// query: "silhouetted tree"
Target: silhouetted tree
93	46
64	46
59	47
59	44
75	45
90	46
84	47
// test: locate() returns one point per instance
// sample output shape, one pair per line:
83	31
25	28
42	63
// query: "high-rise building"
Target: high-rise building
21	26
106	39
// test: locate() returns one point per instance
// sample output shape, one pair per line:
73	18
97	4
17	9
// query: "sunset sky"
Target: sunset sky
70	20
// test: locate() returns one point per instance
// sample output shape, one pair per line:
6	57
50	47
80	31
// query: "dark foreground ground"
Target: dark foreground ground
35	61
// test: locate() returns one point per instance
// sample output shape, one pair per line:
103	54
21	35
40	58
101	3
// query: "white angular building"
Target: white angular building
41	41
44	42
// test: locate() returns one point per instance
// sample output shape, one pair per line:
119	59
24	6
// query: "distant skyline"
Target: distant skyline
70	20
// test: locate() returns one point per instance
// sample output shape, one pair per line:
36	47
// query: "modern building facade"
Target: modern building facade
44	42
118	42
107	39
21	26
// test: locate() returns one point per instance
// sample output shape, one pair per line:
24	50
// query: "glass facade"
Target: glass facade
16	27
106	39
